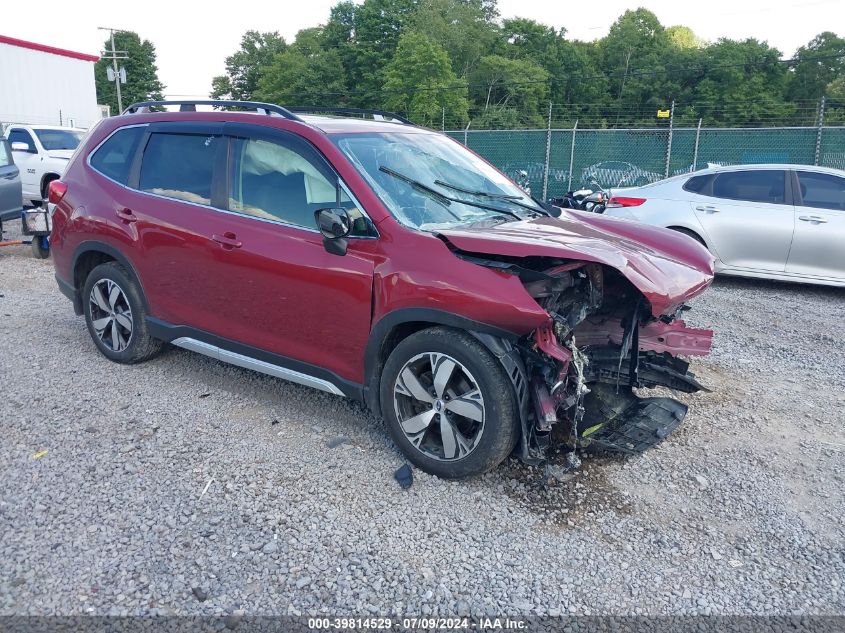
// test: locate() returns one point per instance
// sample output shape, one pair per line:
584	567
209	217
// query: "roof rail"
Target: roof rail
332	110
191	106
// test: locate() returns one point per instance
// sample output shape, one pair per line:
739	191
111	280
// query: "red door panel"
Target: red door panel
280	291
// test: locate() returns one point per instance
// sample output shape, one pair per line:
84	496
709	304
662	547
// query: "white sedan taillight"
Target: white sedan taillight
624	201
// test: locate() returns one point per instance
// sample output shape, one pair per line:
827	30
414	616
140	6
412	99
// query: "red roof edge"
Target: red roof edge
47	49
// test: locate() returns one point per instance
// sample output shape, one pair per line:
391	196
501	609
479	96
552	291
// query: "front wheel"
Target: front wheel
448	403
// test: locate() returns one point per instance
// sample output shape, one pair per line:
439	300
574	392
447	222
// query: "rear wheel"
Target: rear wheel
448	403
115	315
39	249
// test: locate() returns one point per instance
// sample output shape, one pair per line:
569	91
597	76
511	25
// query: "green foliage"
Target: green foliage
302	78
421	56
836	89
465	28
142	83
684	37
420	82
244	66
521	84
818	64
743	83
377	27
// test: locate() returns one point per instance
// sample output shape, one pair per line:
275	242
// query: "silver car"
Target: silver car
768	221
10	184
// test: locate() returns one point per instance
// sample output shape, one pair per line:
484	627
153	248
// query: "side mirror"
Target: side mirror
335	225
20	146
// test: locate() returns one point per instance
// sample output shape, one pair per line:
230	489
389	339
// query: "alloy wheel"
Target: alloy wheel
111	315
439	406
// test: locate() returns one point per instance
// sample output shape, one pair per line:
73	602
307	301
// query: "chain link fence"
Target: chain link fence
558	160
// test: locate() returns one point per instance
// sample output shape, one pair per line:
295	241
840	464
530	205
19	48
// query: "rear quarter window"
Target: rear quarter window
697	184
114	157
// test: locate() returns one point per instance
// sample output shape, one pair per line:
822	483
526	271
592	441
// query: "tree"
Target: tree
305	74
499	82
244	66
142	82
743	83
528	38
836	89
684	37
378	25
636	41
419	81
816	65
465	28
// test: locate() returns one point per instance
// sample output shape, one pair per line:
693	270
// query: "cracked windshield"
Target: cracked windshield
430	182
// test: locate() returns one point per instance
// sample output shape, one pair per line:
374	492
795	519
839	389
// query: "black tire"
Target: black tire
500	420
689	233
45	187
139	345
37	251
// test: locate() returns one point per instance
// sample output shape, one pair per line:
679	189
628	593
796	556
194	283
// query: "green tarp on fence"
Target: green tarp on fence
630	157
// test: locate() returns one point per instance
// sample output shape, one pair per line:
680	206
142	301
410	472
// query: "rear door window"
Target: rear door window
761	185
114	157
822	191
179	166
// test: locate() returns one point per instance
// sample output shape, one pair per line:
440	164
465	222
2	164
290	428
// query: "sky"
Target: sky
192	42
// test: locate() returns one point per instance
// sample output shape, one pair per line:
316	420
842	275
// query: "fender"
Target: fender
380	333
98	247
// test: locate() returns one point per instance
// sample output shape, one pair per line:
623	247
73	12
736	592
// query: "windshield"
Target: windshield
430	182
59	139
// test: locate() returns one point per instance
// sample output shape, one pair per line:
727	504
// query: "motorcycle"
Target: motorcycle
594	201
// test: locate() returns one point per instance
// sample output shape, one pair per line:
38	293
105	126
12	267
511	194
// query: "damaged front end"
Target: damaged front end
576	375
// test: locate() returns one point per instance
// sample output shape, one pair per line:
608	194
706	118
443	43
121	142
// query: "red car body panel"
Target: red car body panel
665	280
282	292
657	336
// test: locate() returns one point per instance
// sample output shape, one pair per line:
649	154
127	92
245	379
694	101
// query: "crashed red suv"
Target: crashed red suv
384	262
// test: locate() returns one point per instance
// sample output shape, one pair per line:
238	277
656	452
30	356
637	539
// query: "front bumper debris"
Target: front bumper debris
622	422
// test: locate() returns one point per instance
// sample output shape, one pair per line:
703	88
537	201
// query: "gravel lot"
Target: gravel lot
741	511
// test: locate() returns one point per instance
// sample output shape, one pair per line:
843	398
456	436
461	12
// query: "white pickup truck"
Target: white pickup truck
41	153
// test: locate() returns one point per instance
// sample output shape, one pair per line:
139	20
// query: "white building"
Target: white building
45	85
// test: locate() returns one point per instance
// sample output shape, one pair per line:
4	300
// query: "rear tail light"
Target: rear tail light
624	201
56	191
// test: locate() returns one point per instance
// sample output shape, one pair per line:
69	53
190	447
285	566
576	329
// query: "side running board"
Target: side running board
246	362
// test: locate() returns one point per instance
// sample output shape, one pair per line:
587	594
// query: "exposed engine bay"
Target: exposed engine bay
575	375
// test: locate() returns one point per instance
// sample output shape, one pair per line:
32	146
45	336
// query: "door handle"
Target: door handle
126	215
815	219
707	208
228	240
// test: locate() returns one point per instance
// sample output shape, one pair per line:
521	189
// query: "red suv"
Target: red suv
379	261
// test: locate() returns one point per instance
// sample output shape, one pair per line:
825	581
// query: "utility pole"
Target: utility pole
119	75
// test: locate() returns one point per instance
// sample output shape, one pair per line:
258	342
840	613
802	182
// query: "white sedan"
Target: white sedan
769	221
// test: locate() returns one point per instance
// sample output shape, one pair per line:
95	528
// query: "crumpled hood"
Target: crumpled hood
61	153
666	266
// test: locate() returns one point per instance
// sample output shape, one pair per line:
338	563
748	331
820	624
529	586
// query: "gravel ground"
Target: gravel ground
186	486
